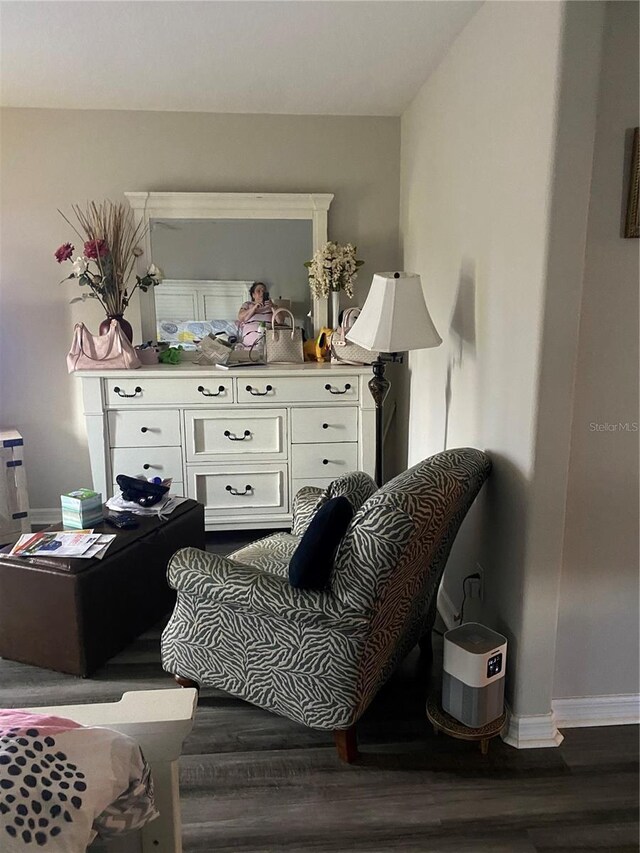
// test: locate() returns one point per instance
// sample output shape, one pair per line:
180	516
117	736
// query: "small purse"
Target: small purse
342	350
283	345
112	351
211	350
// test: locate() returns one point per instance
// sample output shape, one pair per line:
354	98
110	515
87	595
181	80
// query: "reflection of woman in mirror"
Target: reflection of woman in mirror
251	314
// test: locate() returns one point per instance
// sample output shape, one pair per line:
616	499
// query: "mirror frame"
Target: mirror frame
160	205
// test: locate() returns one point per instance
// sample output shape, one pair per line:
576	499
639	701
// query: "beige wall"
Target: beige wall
597	647
52	158
495	149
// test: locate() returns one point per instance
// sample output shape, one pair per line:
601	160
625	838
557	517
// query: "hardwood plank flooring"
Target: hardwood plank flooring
252	782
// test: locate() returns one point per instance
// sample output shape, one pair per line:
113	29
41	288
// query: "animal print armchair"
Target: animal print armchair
319	657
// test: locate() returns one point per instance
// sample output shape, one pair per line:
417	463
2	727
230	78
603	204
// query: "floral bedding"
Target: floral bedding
62	784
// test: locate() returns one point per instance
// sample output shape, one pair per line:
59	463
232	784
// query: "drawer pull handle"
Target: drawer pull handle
325	461
206	393
331	391
144	429
255	393
247	490
231	437
146	466
325	426
137	390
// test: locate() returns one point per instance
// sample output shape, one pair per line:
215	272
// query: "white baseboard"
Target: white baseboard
615	710
538	731
446	608
531	732
45	515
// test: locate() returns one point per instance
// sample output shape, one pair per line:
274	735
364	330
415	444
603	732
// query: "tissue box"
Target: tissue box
81	508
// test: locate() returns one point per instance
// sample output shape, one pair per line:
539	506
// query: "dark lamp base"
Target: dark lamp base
379	386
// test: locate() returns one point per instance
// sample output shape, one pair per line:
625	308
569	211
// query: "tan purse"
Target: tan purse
283	345
112	351
342	350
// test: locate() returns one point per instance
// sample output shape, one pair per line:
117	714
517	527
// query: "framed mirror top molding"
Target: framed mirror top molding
151	207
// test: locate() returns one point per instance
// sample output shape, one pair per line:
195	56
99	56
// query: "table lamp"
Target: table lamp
394	319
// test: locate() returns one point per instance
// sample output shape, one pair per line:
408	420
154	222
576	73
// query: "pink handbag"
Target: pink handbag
103	352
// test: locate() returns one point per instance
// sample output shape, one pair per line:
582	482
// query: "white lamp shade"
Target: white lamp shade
395	317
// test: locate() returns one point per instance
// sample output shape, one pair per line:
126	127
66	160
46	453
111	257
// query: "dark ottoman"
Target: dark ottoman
72	615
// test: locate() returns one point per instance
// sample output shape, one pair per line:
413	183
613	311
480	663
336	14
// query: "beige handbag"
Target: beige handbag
112	351
283	345
342	350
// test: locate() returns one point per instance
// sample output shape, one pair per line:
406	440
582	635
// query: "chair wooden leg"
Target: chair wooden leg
346	744
186	682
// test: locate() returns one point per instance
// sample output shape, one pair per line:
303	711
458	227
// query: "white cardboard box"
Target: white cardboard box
14	498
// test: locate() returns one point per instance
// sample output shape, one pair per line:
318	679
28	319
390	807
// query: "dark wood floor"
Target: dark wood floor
254	782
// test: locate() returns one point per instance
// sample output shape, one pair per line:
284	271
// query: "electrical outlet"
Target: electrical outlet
476	585
475	590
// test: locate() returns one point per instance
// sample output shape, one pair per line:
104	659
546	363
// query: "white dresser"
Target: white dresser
242	442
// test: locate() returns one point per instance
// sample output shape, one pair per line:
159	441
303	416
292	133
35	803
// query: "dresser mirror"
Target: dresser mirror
212	246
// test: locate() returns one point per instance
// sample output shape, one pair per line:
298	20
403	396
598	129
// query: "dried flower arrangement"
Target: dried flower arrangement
110	247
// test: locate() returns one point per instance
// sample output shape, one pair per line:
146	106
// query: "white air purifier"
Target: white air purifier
473	677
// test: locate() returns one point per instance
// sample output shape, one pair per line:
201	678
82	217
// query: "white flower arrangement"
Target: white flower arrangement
333	268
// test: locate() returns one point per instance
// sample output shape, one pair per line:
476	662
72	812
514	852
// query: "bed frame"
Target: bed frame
189	299
159	720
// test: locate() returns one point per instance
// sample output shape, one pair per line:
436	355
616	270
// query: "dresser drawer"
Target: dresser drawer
237	434
323	461
328	424
240	490
148	462
147	428
298	389
170	391
316	482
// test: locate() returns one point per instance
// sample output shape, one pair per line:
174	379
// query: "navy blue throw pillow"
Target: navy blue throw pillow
312	561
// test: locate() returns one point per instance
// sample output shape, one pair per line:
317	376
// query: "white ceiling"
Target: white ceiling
335	57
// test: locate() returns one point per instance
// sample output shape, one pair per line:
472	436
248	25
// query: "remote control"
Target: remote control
123	521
